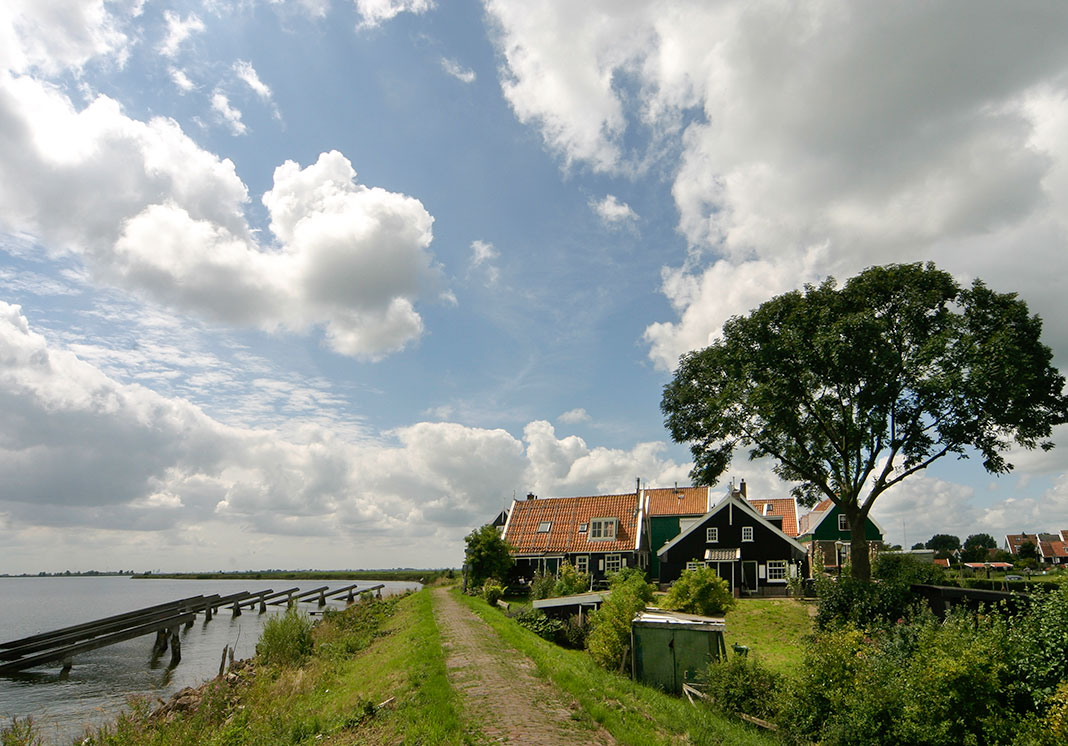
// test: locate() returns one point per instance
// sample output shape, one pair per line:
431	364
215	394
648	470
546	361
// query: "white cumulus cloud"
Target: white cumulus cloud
612	212
178	30
376	12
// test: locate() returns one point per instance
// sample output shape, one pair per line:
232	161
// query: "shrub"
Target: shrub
542	586
537	622
862	604
1038	638
575	632
571	581
20	733
609	636
743	684
286	640
487	555
699	591
905	569
492	591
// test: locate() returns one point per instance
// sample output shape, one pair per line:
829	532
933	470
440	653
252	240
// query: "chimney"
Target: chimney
741	487
531	495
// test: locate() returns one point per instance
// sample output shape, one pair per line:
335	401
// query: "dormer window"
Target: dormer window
603	529
544	526
583	527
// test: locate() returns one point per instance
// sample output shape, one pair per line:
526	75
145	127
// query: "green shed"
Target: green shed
669	648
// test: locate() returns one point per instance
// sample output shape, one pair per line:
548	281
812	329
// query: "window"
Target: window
776	570
603	529
582	563
694	565
747	533
843	523
544	526
711	535
583	527
613	563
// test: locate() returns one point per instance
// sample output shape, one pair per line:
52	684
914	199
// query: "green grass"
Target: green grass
632	713
772	628
374	651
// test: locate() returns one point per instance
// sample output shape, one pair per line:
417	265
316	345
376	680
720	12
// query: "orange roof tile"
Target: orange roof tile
677	500
565	515
784	506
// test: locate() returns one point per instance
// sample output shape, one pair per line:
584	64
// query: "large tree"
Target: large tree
852	389
977	547
487	556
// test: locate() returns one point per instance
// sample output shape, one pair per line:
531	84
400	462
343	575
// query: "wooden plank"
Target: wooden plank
62	653
20	651
183	603
300	596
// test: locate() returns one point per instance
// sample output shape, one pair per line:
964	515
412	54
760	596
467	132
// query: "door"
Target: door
749	575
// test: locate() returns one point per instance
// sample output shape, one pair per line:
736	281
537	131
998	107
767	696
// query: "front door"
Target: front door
749	575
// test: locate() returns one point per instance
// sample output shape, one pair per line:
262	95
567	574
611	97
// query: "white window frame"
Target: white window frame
613	563
582	563
712	535
544	527
776	571
603	529
694	565
843	522
747	533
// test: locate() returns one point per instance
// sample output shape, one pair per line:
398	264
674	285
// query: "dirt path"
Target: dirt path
501	691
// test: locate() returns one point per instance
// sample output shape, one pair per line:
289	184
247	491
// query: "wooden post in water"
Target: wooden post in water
322	599
176	647
160	646
207	614
237	609
350	599
263	605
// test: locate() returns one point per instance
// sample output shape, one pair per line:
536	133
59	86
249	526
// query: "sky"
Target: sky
326	283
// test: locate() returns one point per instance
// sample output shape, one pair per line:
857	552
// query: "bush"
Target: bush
492	591
699	591
609	637
1038	638
537	622
20	733
743	684
906	569
925	683
286	640
542	586
863	604
571	581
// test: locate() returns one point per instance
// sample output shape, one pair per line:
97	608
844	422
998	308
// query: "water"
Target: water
96	689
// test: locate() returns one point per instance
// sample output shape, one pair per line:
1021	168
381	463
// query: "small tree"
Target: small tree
700	591
1028	551
487	556
609	637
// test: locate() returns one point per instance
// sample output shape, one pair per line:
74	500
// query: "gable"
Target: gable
730	512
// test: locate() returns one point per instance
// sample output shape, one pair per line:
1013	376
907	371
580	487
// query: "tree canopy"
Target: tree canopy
852	389
977	546
487	556
943	542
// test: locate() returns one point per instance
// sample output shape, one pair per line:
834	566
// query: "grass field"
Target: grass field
772	629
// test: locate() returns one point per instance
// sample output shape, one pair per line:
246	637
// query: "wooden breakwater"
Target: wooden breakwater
165	620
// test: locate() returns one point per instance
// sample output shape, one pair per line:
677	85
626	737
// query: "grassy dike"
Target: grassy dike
632	713
377	650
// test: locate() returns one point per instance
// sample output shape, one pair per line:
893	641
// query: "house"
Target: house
826	530
671	510
1015	541
745	548
1053	552
598	534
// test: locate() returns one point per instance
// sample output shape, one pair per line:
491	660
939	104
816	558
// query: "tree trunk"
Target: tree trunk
859	556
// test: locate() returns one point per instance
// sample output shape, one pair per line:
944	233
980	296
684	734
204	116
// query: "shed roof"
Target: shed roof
677	620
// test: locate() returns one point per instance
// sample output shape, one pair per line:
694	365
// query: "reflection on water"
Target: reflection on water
96	688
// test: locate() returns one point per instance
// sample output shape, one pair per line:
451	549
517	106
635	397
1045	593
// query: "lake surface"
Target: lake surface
96	689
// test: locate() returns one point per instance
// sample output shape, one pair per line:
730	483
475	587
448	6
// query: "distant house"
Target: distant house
745	548
598	534
1015	541
826	530
1052	549
1053	552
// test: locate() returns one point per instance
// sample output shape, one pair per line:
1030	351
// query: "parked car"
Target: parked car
1013	577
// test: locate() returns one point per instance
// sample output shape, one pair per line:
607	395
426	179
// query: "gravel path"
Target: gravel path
502	693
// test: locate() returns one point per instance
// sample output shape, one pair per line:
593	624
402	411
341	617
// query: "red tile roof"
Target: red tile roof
808	520
677	500
1015	541
942	562
1054	549
784	506
565	516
